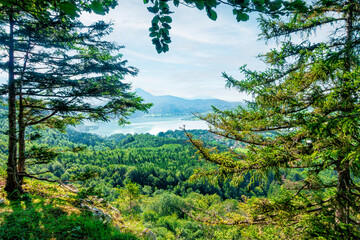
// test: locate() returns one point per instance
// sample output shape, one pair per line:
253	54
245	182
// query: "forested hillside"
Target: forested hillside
155	163
148	178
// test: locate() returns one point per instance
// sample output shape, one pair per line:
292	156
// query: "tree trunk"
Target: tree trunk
13	188
22	126
21	140
342	212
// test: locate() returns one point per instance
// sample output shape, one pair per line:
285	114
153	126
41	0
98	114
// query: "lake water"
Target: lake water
152	125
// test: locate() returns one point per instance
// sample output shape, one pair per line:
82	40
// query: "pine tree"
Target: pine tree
84	69
304	118
56	66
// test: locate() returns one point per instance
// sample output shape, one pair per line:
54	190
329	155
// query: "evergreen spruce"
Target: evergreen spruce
57	68
304	118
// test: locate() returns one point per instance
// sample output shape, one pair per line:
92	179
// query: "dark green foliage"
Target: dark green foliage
166	215
61	65
79	67
161	171
155	163
168	204
48	14
303	121
325	225
86	192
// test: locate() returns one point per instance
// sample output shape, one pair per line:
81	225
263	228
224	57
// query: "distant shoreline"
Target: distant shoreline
149	124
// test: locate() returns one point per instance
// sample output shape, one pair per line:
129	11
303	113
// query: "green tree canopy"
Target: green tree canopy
304	118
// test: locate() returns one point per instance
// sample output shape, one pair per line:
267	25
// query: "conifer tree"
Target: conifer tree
56	66
84	69
304	118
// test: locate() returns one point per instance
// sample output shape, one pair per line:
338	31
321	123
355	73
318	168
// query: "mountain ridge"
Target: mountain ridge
169	105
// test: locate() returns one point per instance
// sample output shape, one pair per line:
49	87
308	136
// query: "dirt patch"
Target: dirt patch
2	182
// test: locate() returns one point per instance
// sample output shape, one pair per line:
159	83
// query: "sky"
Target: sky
200	51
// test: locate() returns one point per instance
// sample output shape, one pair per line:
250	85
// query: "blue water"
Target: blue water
152	125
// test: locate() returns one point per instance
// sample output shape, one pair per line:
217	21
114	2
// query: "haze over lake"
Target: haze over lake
152	125
167	113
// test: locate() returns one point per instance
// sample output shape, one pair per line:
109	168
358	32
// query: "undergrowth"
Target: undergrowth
49	212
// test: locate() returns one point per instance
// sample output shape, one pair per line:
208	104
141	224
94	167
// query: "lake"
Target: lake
152	125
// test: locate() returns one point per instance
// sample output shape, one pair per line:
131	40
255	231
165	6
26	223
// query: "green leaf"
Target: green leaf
200	4
167	26
211	14
156	41
155	20
7	3
159	49
258	2
211	3
153	34
165	48
242	17
153	9
69	9
164	31
97	7
176	3
146	1
276	5
164	5
166	19
245	3
155	27
166	40
152	29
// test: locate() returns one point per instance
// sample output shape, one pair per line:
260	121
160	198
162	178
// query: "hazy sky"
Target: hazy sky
200	51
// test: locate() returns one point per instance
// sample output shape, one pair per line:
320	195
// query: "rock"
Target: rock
97	213
114	208
89	201
85	206
101	215
148	234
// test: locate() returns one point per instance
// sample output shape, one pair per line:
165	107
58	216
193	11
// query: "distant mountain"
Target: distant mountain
175	106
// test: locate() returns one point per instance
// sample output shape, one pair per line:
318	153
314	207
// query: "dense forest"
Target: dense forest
155	163
159	168
150	179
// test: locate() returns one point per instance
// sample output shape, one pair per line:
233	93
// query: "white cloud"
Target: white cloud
200	51
161	58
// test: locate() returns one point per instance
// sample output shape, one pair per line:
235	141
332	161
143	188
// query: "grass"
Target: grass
49	212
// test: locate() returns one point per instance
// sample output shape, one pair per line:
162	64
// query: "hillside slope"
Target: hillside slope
48	211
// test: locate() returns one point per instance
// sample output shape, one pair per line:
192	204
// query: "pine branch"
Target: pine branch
41	120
